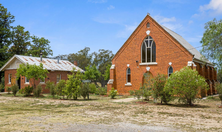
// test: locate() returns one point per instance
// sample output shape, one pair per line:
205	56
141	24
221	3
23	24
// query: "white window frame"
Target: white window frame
26	82
127	80
151	51
9	78
59	78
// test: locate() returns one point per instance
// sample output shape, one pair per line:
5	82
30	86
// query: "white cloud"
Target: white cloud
162	19
127	31
110	7
213	9
215	5
190	22
97	1
170	23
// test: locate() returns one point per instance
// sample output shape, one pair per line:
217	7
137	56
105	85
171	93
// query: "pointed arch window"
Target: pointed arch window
128	75
170	70
148	50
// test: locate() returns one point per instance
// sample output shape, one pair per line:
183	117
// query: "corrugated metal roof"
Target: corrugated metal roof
49	64
185	44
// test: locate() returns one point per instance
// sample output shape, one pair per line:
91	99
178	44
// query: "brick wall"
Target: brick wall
52	76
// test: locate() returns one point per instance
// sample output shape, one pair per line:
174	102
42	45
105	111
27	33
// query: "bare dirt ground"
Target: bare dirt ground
99	115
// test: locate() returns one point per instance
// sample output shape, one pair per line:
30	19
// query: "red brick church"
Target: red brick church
153	48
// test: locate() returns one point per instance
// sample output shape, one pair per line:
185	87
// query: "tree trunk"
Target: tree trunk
189	102
88	96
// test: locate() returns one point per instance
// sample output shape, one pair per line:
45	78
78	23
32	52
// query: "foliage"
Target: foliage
132	92
39	45
83	58
20	41
101	91
73	84
107	72
51	86
21	91
32	72
6	19
102	59
84	90
8	89
2	88
92	73
60	88
159	82
219	90
37	91
15	89
112	93
92	88
138	94
185	84
146	87
211	41
28	90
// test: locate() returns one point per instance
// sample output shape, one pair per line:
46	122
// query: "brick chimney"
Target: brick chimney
75	63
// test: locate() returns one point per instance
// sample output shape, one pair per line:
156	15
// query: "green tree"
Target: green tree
60	88
159	82
51	86
83	58
92	73
6	19
20	41
107	72
39	45
32	72
185	84
146	87
102	60
73	84
212	43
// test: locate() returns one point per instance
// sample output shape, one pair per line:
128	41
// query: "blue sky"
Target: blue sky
71	25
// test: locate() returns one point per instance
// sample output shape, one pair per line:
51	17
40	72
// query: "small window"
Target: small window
170	70
9	78
42	80
148	25
26	80
128	75
58	77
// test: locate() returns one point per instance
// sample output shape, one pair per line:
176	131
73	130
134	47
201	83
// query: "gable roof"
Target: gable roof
180	39
49	64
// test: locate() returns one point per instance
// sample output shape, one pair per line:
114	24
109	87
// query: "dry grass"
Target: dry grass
32	114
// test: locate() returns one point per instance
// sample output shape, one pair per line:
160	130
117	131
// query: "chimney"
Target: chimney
58	60
75	63
41	56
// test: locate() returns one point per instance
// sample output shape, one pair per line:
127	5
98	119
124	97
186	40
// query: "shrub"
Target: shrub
84	90
8	89
15	89
51	86
219	90
2	88
21	91
138	94
146	87
158	88
60	88
92	88
132	93
37	91
185	84
112	93
28	90
101	91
